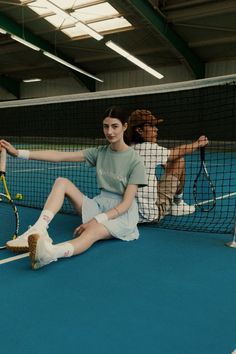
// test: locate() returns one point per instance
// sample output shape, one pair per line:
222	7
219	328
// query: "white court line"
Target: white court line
221	197
15	258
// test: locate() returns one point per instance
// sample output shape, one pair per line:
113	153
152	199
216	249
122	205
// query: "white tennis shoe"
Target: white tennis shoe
181	208
41	251
20	244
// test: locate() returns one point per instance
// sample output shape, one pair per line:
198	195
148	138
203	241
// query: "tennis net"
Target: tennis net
205	107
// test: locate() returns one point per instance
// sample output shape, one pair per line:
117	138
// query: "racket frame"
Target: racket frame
203	169
7	194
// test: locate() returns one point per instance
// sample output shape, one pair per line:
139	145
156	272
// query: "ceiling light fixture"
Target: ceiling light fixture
85	28
133	59
2	31
63	62
32	80
23	41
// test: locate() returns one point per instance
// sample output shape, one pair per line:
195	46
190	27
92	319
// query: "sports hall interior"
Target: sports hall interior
62	63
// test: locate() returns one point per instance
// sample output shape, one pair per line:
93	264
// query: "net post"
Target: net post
232	244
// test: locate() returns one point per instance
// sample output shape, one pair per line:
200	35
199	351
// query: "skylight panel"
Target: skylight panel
58	21
64	4
69	4
100	17
110	25
73	32
39	7
96	12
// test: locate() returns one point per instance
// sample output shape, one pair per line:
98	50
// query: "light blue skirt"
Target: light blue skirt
124	226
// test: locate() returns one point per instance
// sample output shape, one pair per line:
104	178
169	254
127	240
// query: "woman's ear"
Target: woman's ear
125	126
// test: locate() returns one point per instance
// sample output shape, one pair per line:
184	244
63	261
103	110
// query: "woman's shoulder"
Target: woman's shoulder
97	148
134	157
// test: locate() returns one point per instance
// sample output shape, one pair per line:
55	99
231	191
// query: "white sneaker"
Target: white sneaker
20	244
181	208
41	251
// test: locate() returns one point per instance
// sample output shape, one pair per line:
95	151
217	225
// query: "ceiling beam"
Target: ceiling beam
164	29
10	85
191	10
13	28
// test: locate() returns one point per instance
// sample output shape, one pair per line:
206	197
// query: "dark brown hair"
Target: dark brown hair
118	113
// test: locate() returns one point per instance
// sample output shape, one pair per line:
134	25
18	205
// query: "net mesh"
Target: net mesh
73	125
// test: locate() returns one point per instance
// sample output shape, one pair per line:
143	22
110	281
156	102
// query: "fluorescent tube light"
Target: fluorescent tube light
3	31
23	41
63	62
85	28
32	80
134	60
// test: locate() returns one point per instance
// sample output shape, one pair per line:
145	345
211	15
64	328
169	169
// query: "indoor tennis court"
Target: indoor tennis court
175	282
172	290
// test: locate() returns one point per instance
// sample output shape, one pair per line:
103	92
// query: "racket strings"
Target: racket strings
204	193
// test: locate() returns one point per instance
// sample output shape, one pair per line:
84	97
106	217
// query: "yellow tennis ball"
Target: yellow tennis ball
19	196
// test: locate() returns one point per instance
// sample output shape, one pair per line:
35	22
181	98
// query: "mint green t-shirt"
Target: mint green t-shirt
116	169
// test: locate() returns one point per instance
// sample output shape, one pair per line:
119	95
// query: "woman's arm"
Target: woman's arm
185	149
46	155
125	204
121	208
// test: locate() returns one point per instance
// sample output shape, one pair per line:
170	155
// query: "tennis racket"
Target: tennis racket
203	188
9	217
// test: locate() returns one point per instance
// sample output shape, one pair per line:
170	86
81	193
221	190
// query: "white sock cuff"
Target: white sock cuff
47	213
70	249
65	249
44	219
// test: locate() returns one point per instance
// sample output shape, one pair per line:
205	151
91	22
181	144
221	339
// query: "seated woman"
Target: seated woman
113	213
164	196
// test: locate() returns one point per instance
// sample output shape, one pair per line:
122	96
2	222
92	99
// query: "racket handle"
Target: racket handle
3	160
202	153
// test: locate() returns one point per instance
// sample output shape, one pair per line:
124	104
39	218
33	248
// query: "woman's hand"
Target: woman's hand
10	148
83	227
202	141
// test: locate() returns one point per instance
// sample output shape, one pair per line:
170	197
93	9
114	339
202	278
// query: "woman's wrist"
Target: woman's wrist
100	218
23	154
117	211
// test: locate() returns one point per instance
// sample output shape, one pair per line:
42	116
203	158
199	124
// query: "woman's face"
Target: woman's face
148	133
113	129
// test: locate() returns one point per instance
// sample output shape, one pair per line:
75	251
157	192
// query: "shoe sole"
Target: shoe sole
16	249
33	240
181	213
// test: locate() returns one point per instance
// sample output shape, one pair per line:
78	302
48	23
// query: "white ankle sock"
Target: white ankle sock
65	249
44	219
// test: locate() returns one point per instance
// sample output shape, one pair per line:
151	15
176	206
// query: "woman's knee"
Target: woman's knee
60	183
63	182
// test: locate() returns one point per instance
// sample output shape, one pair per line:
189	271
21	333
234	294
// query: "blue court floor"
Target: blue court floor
170	292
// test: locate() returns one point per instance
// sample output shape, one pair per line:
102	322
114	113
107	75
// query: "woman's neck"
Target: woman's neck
119	146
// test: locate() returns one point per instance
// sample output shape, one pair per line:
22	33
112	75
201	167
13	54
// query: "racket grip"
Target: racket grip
3	159
202	153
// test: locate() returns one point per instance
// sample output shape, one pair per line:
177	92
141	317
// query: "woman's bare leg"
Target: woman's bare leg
63	188
93	233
